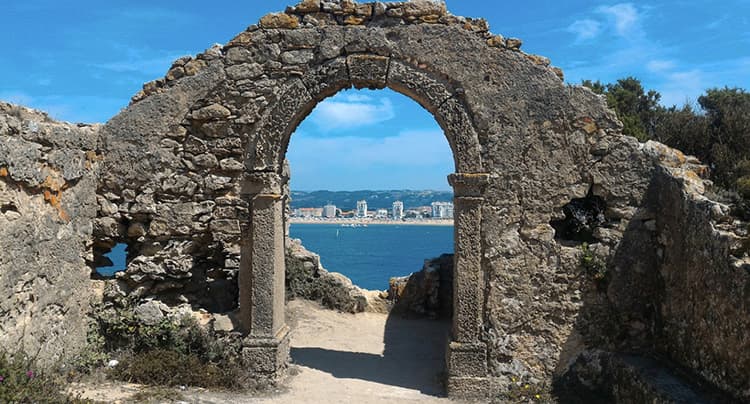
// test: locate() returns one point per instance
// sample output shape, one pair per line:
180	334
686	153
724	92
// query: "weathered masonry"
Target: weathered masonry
191	176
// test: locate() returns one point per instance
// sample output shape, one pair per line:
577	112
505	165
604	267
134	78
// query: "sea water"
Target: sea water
371	255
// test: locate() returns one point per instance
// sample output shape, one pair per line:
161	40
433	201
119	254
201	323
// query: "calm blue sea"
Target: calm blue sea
369	256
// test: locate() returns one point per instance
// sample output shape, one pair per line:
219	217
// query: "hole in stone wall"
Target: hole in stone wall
8	208
582	217
107	264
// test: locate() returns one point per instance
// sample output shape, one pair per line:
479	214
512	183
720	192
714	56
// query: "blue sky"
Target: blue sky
83	60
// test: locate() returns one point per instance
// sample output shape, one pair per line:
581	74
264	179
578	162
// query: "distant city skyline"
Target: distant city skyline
397	211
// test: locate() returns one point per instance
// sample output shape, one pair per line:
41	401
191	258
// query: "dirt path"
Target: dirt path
364	358
343	358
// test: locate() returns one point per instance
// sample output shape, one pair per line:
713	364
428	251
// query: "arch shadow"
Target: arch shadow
413	357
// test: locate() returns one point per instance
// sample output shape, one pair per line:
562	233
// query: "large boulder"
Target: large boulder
307	279
427	292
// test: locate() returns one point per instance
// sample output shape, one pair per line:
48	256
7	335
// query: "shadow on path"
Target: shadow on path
413	357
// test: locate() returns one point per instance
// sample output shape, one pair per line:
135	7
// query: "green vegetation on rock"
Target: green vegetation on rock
21	381
716	130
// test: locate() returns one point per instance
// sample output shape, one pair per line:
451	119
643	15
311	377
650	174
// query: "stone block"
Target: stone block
467	360
427	91
279	20
366	71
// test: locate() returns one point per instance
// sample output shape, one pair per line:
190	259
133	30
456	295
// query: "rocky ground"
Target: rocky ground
337	358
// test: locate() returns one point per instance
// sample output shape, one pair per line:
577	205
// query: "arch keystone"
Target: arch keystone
368	71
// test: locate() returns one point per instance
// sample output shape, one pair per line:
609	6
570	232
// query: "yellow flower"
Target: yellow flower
538	396
526	386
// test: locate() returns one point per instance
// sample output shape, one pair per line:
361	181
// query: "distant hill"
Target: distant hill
347	200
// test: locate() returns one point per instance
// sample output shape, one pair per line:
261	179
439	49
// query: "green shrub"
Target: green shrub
593	266
174	351
743	187
170	368
526	392
23	382
157	395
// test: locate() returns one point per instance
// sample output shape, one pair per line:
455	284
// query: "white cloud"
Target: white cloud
66	107
135	64
144	60
347	111
622	19
624	15
585	29
681	87
418	159
420	148
717	23
155	14
658	66
355	97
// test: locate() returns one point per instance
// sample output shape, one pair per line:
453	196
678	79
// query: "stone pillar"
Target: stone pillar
261	278
467	354
286	193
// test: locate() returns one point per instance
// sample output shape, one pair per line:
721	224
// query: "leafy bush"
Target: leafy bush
22	382
173	351
716	130
526	392
743	186
171	368
593	266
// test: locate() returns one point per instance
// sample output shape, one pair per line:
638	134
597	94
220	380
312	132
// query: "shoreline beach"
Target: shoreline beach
362	222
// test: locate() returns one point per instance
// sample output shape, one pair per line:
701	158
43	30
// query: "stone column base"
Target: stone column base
467	371
267	357
471	388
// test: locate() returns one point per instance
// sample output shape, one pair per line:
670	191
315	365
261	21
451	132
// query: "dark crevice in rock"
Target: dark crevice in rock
582	217
8	208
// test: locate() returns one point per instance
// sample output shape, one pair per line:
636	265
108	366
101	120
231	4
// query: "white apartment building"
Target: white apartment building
362	208
398	210
329	211
381	214
442	210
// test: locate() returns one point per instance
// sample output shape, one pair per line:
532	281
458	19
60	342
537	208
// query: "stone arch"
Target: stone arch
300	96
263	192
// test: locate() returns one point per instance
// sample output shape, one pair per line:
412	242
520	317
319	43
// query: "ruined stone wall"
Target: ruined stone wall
185	164
170	191
176	157
47	206
704	305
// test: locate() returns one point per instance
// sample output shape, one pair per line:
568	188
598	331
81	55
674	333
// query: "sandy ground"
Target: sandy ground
364	358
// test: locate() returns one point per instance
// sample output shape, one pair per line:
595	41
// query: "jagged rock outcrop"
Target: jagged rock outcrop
307	279
47	206
426	292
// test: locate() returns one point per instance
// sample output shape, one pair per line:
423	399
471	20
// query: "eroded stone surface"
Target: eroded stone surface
186	169
47	206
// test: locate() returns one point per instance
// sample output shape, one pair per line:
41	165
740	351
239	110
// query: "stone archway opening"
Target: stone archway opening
404	347
262	265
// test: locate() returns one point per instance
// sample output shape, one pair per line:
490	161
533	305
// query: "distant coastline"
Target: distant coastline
362	222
